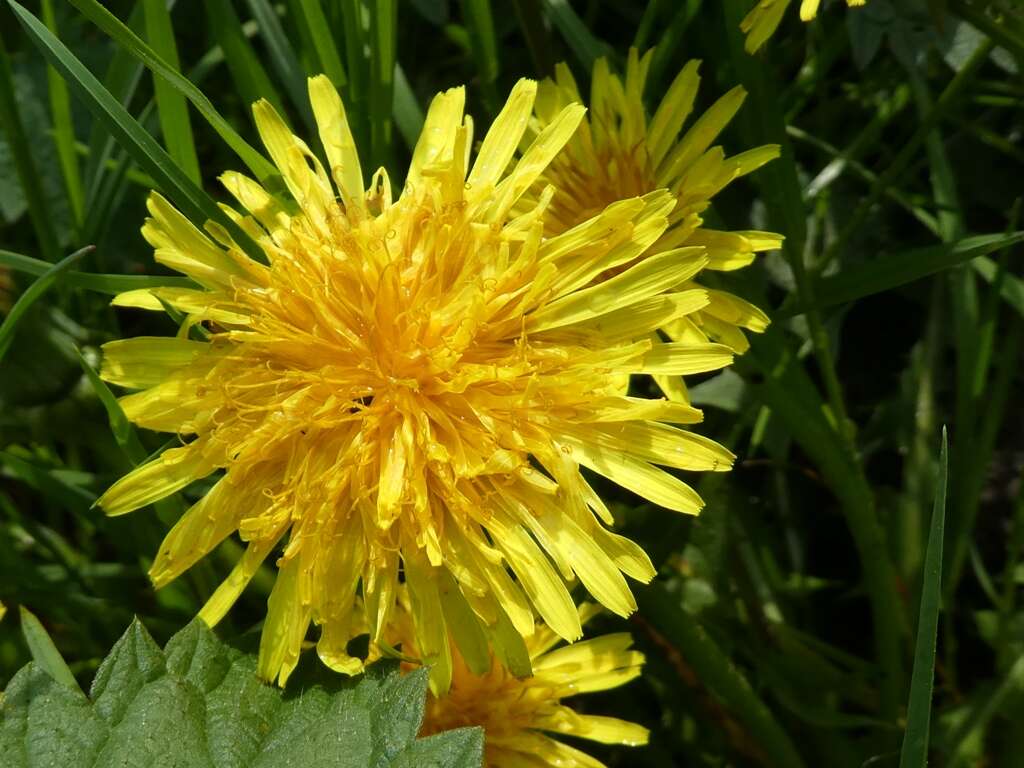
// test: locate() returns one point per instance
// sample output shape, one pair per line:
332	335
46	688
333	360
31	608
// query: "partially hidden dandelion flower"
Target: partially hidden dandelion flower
764	19
619	151
522	715
411	386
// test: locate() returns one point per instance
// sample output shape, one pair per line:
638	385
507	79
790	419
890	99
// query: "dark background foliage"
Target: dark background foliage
781	629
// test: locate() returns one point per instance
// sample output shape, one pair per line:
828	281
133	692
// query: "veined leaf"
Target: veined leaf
199	700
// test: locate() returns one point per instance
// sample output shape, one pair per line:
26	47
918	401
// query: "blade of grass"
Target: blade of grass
283	58
121	79
484	44
121	428
310	15
914	753
43	651
585	47
32	294
907	154
262	168
109	284
170	104
538	39
28	174
381	85
193	202
717	672
893	270
1012	288
64	131
247	72
407	110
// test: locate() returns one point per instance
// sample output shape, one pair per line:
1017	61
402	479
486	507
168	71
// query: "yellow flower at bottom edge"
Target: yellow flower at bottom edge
520	715
412	386
764	19
618	151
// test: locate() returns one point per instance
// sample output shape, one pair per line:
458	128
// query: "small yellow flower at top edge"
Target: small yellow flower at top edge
522	715
619	151
764	19
412	385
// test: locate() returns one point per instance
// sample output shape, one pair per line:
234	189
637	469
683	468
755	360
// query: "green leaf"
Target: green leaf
893	270
110	284
584	45
43	651
200	702
193	202
63	130
247	72
484	44
30	296
122	429
12	127
170	104
914	753
128	41
283	58
310	14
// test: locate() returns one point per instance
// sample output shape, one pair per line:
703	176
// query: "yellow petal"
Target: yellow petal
682	359
227	593
166	474
285	626
637	283
147	361
675	107
336	137
502	139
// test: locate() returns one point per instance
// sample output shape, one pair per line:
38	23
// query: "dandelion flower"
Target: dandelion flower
412	385
520	716
764	18
618	151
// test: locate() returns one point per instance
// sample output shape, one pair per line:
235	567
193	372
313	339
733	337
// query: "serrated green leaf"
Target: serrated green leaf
199	704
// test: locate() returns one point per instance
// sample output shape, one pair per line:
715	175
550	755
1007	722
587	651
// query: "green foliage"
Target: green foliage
198	704
781	630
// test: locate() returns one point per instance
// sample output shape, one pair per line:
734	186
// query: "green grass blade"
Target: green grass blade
407	110
585	47
64	130
262	168
121	78
43	651
310	15
914	753
381	85
283	58
891	271
28	174
32	294
538	38
1012	288
109	284
123	431
170	104
484	44
193	202
247	72
718	673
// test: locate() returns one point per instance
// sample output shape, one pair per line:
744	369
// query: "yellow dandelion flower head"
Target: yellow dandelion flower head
764	19
407	391
617	150
522	715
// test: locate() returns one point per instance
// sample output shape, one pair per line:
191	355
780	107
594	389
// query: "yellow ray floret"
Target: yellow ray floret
619	150
522	716
407	391
764	19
